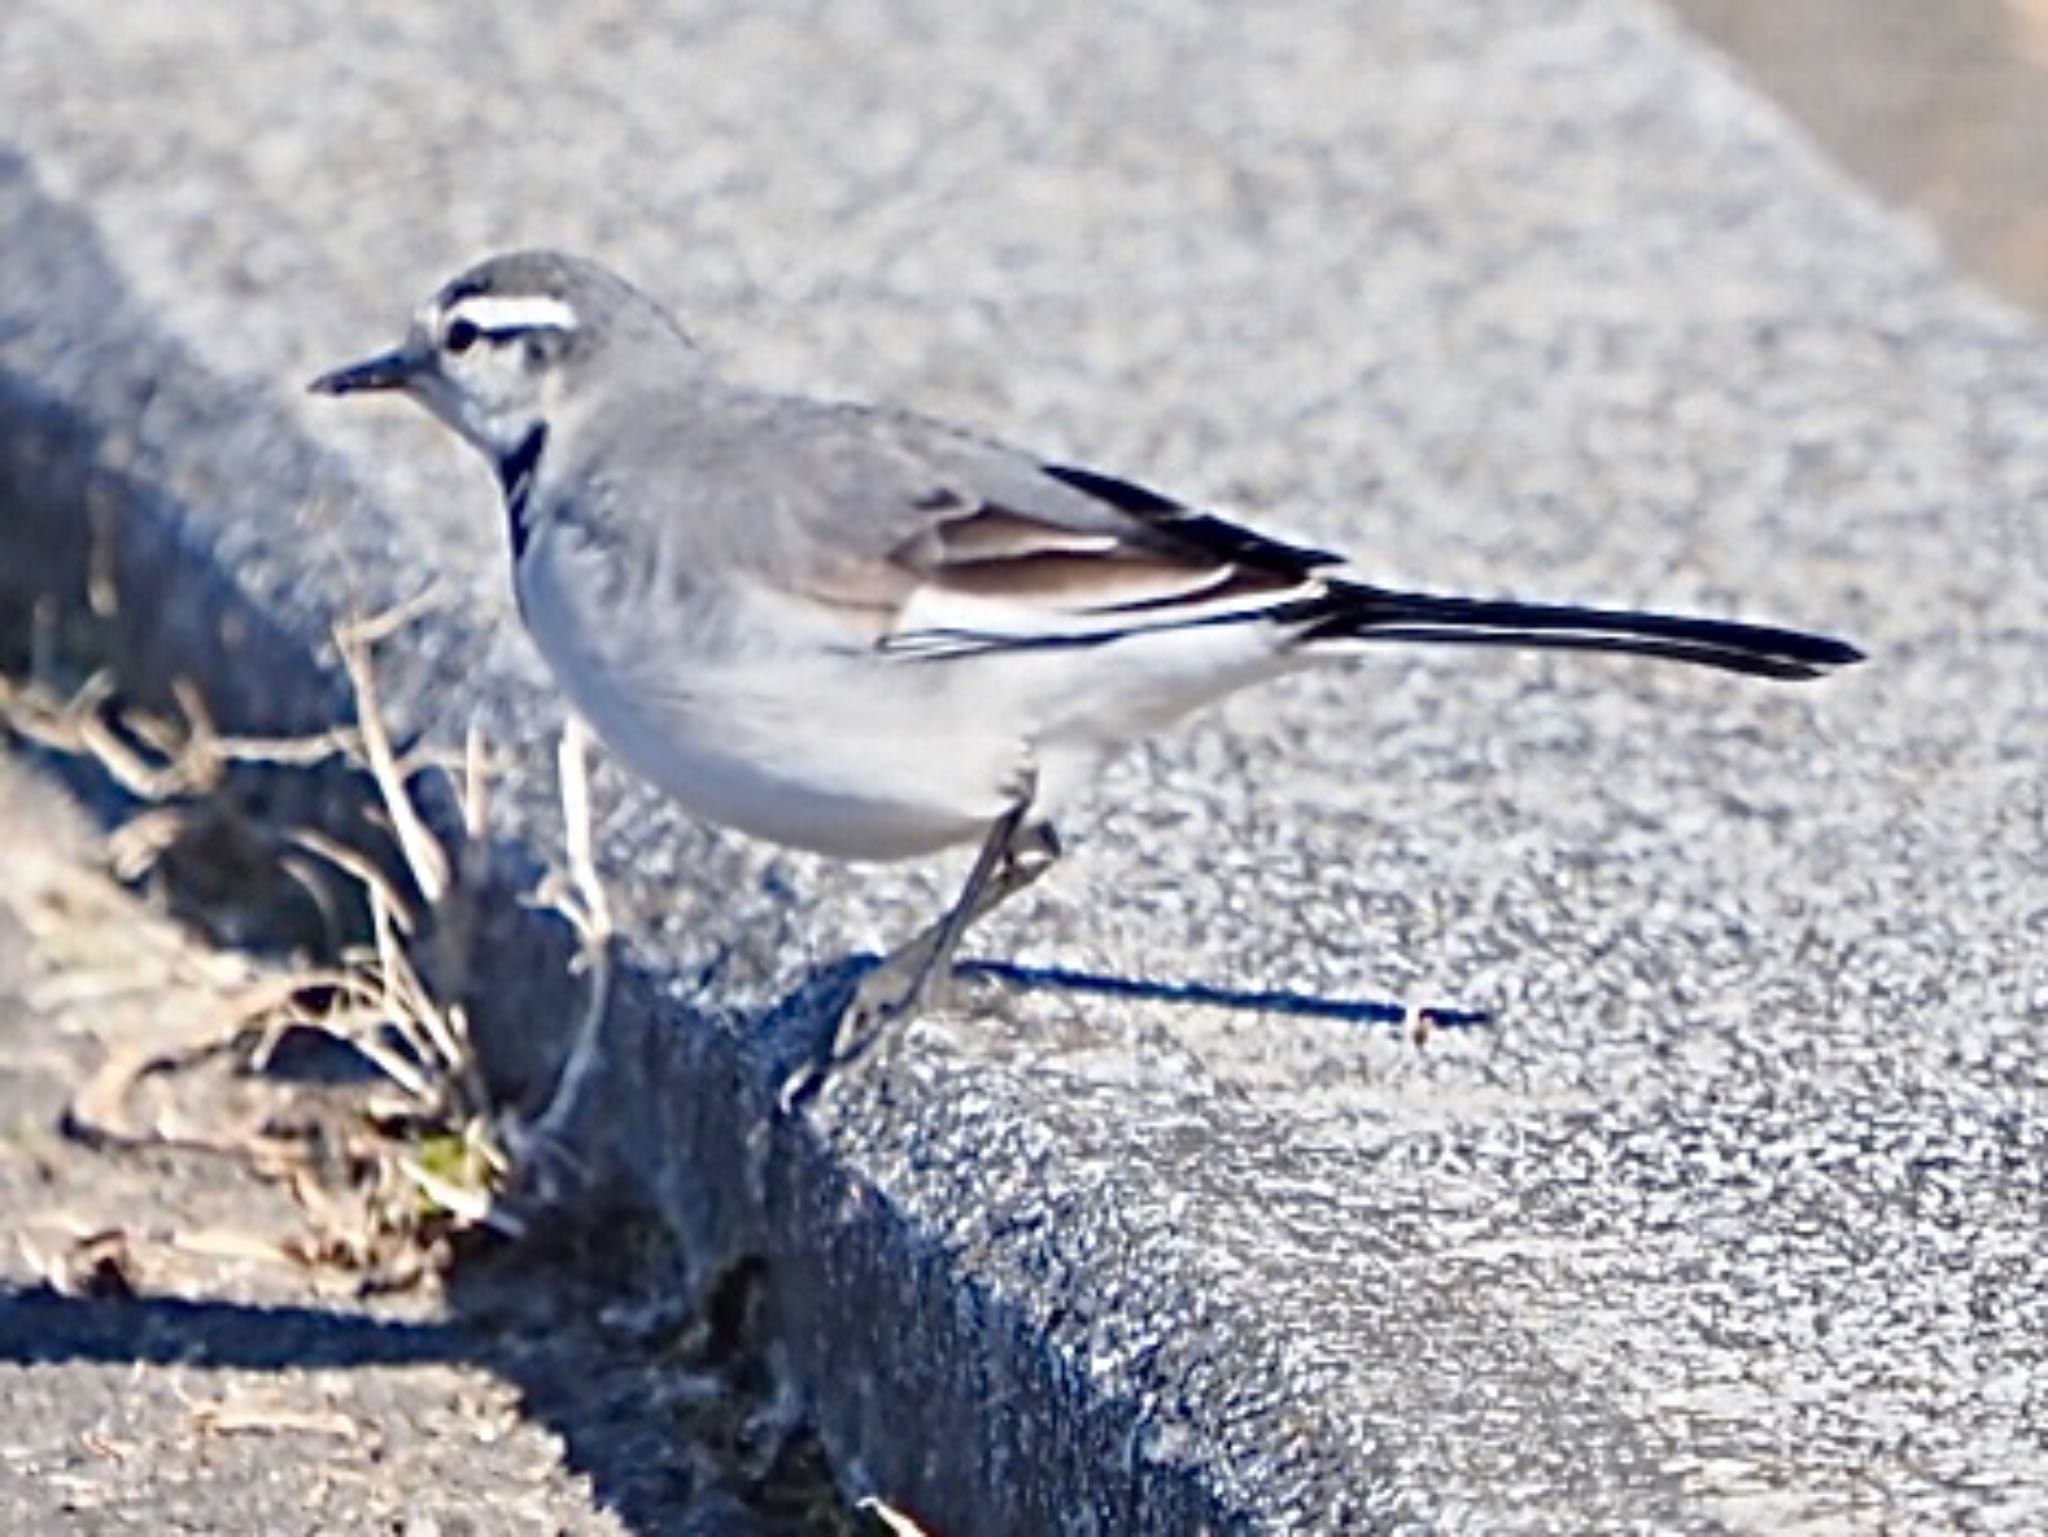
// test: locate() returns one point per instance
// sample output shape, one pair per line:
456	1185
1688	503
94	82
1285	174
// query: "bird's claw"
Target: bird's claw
884	1001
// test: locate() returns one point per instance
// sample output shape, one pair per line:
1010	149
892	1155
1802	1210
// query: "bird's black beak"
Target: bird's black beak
392	370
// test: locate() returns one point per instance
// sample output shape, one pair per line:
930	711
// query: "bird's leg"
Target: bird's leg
588	912
1015	854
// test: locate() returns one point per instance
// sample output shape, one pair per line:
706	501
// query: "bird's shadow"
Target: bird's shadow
793	1043
1275	1000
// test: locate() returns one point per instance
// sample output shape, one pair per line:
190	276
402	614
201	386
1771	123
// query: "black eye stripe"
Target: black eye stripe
463	333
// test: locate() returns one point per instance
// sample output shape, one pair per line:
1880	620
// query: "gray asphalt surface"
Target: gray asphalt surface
1733	1218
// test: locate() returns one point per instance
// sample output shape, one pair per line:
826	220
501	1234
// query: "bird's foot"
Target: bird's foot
884	1002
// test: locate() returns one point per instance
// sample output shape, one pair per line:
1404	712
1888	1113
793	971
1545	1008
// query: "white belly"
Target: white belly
768	755
806	749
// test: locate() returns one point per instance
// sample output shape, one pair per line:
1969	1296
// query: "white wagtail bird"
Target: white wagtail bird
874	635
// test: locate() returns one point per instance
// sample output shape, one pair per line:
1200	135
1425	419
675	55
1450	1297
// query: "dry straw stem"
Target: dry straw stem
355	638
897	1523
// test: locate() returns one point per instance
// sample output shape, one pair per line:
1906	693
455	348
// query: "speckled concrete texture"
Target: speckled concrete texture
1732	1220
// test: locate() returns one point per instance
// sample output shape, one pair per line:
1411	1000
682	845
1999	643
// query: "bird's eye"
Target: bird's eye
462	335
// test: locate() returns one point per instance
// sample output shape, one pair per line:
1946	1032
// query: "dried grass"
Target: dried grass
429	1150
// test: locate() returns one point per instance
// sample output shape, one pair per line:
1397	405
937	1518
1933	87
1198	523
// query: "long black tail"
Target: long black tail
1352	611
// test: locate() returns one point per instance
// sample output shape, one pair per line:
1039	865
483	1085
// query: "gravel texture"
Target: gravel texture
1731	1220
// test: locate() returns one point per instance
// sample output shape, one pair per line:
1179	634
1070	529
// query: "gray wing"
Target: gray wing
933	540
